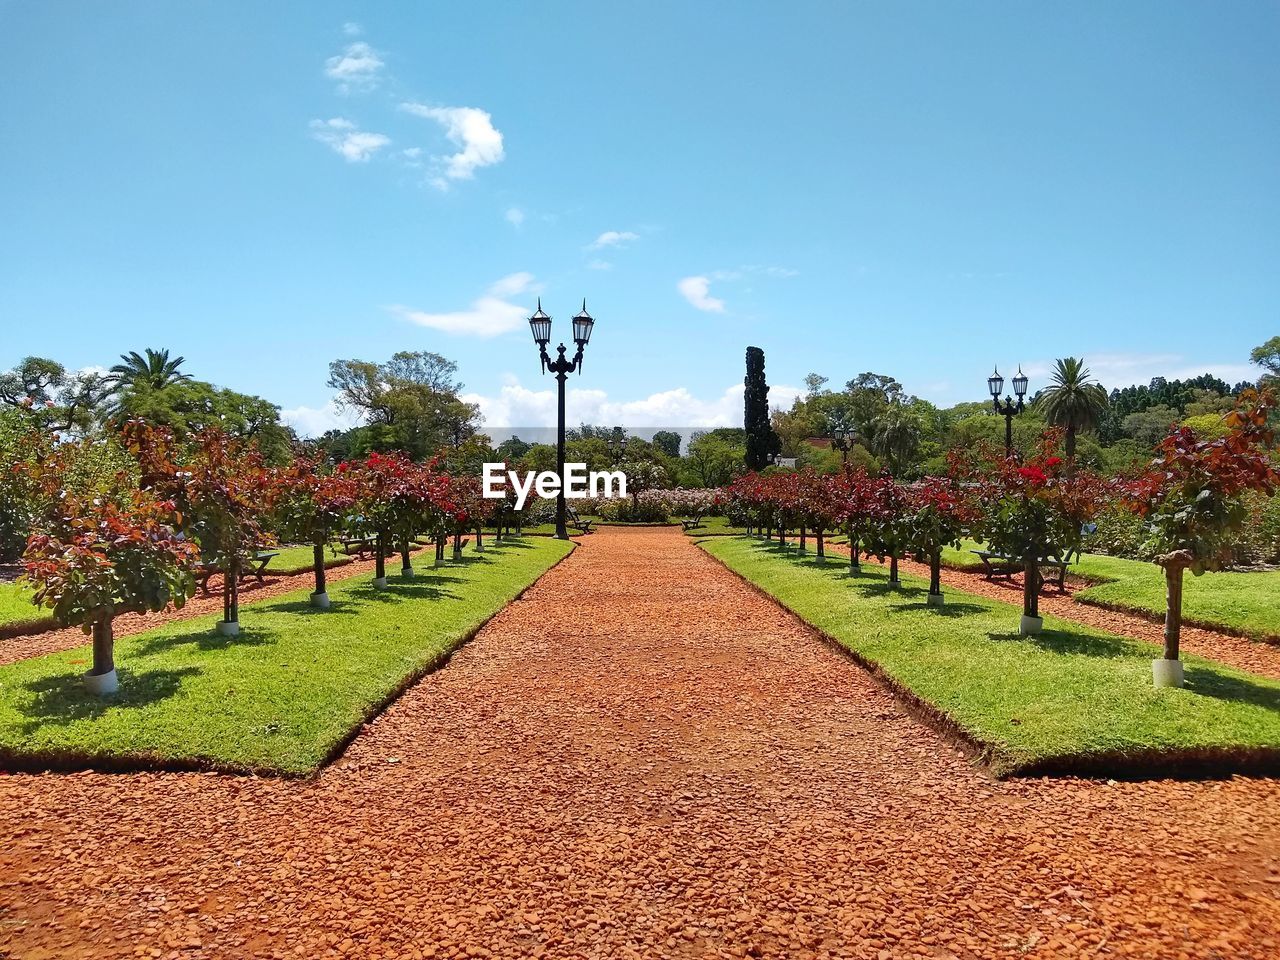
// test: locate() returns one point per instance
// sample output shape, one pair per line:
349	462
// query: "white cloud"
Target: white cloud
613	238
469	128
355	145
352	29
697	291
313	421
1126	369
517	406
599	265
515	216
489	315
358	67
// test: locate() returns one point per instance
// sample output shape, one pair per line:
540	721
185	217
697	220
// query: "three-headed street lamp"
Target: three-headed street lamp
843	441
1009	409
561	366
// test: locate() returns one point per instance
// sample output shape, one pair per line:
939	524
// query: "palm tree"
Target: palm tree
155	370
1073	400
895	435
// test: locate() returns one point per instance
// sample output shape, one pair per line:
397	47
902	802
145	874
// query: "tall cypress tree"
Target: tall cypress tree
756	404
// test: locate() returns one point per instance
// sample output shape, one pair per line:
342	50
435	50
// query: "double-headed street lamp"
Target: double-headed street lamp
540	324
1009	410
617	447
844	442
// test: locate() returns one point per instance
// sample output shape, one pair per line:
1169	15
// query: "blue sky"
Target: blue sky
914	189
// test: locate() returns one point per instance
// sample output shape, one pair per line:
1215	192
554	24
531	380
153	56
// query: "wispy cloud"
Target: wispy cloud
599	265
697	291
1127	369
489	315
518	406
355	145
313	421
613	238
515	216
359	67
352	29
468	128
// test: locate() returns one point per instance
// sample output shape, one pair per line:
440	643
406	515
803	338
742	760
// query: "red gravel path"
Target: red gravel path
642	757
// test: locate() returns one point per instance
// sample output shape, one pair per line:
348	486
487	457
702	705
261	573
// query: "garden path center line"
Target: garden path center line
641	757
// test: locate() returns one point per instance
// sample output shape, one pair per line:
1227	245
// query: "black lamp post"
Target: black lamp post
561	366
843	442
1009	409
617	448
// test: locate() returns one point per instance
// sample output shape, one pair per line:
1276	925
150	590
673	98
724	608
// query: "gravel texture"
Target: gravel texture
641	758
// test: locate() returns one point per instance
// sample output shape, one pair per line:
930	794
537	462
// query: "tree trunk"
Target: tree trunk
854	562
231	590
103	645
439	550
1031	586
935	574
317	559
479	539
782	535
405	564
1071	443
380	557
821	550
1173	610
457	546
893	569
802	536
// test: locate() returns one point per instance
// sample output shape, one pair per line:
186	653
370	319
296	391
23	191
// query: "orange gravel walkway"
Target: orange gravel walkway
642	757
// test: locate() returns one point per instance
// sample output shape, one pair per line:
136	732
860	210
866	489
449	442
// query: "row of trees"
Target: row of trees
1190	497
132	539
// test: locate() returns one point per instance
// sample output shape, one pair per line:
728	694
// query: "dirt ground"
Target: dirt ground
641	758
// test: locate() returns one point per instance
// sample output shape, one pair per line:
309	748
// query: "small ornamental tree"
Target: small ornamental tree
817	506
312	506
888	532
940	514
852	491
385	503
1191	499
95	559
222	491
1033	510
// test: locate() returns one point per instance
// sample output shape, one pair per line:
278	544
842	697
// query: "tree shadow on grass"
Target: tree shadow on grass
207	640
960	609
62	698
1220	686
1073	643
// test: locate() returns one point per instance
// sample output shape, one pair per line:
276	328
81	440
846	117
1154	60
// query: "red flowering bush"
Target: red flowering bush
312	506
942	510
888	524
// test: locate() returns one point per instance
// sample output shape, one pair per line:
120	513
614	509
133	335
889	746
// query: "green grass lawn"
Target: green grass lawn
299	559
1072	699
16	609
1245	603
280	698
715	527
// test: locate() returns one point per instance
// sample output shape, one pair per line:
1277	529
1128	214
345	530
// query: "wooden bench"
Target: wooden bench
358	545
691	523
255	568
575	521
1002	565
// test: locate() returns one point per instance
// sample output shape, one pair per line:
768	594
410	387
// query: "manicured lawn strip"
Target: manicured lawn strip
299	559
282	697
1243	603
715	527
1072	700
17	613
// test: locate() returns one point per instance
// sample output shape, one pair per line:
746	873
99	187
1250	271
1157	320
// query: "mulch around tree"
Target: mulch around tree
642	757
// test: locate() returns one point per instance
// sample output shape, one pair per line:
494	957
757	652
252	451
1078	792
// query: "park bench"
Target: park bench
1002	565
256	567
575	521
358	545
690	523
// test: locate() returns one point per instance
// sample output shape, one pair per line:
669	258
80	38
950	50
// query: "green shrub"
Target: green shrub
1118	532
